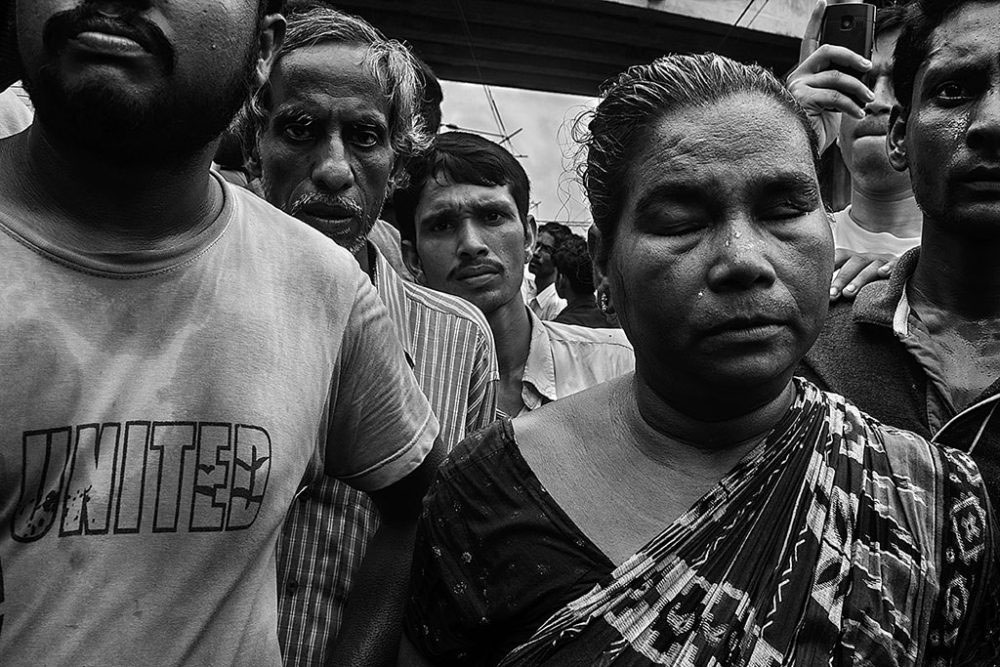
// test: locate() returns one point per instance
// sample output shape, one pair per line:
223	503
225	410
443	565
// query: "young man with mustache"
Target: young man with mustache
466	231
177	355
331	130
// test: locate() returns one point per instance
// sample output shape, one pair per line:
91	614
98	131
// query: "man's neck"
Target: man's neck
106	205
541	282
511	329
957	274
580	300
366	259
895	213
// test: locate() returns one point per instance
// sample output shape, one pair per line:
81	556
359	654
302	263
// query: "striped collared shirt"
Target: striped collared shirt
450	348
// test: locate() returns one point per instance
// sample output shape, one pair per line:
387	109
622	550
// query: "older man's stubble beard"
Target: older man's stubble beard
352	242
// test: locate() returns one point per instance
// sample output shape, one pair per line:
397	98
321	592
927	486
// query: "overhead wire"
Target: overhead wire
490	100
734	25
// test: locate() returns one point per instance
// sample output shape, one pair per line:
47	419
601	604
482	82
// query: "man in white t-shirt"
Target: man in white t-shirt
883	217
177	355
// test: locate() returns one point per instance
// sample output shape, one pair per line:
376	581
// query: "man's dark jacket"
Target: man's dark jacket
859	356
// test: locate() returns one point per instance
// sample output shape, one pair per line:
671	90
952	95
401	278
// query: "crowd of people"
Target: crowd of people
289	377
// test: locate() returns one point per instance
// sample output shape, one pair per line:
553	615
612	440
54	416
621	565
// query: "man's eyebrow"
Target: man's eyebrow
294	112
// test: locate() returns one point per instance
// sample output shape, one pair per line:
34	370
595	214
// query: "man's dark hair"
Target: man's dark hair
459	157
432	97
919	23
889	19
573	262
559	231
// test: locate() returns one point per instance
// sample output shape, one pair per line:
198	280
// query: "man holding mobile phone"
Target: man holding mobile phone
882	218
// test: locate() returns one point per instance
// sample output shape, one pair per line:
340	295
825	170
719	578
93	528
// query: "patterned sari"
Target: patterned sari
837	541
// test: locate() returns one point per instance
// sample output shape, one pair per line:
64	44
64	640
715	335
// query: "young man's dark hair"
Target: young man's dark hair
573	262
433	96
559	231
919	22
461	158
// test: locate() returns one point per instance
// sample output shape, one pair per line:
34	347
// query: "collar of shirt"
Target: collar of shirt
393	294
538	379
886	304
880	302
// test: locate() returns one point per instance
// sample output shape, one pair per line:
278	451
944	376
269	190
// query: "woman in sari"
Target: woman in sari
709	509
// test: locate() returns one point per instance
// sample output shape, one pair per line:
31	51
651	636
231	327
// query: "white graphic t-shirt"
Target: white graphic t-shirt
158	411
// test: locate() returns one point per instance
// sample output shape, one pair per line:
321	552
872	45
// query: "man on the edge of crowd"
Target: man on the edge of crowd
544	300
466	231
883	217
575	284
333	126
176	354
919	351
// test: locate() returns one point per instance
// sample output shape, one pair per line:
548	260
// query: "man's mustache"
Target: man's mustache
341	206
129	23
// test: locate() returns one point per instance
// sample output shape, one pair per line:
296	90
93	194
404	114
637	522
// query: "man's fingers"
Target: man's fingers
829	56
856	272
810	39
841	82
848	272
824	99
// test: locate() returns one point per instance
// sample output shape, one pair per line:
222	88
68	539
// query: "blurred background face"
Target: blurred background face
863	142
721	267
471	242
541	263
137	79
952	134
325	153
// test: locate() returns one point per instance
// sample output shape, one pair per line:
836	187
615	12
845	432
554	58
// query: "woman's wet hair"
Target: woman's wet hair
612	135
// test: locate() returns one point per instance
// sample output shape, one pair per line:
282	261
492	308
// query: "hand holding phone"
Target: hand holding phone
851	26
818	82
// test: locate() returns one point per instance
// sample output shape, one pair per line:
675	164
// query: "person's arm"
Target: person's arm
382	439
824	92
373	617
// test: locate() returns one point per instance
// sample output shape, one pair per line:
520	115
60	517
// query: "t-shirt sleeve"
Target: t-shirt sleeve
965	626
380	426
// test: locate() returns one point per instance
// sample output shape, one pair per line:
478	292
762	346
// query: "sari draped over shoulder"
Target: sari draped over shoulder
836	541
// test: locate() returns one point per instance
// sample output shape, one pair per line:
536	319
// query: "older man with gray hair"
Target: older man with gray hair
328	135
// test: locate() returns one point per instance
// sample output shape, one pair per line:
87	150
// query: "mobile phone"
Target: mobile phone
851	26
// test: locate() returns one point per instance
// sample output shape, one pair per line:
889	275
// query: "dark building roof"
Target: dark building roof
567	46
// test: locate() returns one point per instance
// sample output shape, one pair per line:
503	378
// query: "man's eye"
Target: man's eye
438	227
951	92
366	138
492	217
297	132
